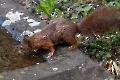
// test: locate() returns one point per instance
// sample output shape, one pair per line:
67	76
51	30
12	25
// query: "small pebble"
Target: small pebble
55	69
37	63
12	9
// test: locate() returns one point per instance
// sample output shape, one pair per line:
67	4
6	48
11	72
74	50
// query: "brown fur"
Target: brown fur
60	30
101	20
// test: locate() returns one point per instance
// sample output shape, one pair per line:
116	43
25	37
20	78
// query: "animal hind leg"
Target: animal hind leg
50	46
51	52
71	40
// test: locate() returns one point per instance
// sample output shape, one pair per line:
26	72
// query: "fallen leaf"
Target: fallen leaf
113	67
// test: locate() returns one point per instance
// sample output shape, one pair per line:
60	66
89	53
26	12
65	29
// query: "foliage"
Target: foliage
84	10
112	2
61	8
80	1
57	13
109	79
107	1
53	9
118	77
102	47
118	63
65	1
46	6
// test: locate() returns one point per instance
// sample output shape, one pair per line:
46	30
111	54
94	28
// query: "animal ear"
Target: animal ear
26	38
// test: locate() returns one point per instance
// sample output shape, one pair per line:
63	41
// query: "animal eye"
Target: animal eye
44	36
21	47
64	28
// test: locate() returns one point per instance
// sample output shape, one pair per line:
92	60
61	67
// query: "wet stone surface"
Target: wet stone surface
9	57
12	15
65	66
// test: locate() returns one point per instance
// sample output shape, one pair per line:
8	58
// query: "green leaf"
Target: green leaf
111	79
94	51
106	79
108	55
80	1
46	6
51	3
117	4
65	1
98	55
74	18
79	9
85	10
118	1
43	4
88	8
57	13
38	8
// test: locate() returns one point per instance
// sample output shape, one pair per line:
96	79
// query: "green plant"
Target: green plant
99	47
65	1
53	9
119	63
109	79
75	18
102	47
50	7
84	10
112	2
107	1
57	13
118	77
46	6
80	1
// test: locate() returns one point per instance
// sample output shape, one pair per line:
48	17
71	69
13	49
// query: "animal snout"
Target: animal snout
20	48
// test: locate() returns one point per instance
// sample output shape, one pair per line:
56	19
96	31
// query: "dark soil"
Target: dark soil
9	57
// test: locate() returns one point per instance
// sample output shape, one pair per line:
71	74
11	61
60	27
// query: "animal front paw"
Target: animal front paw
50	55
72	47
48	58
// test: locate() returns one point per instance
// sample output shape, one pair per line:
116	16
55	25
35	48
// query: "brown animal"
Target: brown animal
59	30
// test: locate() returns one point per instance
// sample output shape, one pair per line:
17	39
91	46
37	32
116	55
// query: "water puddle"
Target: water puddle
9	59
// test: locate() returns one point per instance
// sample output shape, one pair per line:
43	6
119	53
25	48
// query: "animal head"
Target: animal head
25	45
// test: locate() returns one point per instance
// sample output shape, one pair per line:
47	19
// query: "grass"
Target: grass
103	47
